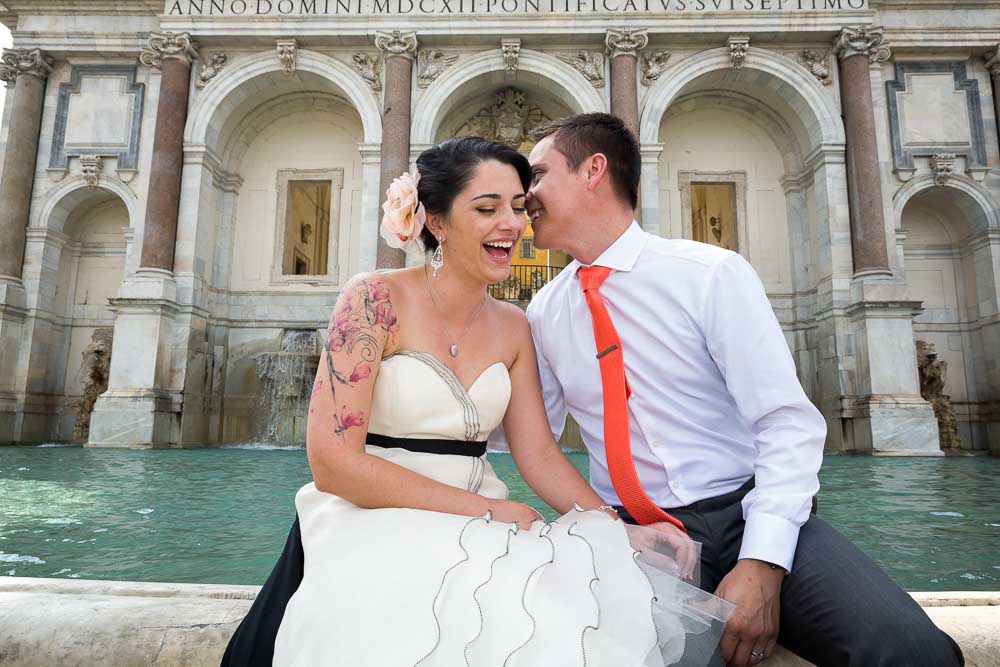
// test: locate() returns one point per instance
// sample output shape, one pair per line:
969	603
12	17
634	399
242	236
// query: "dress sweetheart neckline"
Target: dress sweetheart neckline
421	355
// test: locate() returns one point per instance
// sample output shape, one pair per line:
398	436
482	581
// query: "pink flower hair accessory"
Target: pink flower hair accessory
403	216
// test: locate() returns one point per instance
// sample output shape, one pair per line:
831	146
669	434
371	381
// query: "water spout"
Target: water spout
286	377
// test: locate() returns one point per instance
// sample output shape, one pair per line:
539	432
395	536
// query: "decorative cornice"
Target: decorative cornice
652	65
163	45
625	41
738	47
287	49
210	69
32	62
862	40
431	63
992	58
511	51
817	65
396	43
587	63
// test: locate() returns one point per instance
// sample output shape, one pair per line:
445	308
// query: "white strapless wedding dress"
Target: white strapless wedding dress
405	587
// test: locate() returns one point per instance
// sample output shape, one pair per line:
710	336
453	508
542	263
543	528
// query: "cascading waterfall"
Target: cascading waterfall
286	377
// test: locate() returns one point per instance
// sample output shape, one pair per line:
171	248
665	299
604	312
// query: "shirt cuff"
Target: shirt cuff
770	538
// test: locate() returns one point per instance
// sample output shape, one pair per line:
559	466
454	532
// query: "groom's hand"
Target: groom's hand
755	588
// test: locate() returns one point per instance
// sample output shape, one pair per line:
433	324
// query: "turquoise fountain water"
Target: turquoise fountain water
221	515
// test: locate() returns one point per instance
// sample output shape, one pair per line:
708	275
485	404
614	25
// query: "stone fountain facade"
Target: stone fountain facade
196	178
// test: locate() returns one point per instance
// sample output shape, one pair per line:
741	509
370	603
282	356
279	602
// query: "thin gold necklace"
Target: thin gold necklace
453	350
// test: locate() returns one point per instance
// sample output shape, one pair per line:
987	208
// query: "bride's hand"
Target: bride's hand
509	511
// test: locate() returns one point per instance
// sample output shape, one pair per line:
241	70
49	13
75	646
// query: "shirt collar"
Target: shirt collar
624	252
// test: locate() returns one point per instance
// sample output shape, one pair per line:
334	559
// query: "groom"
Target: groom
668	355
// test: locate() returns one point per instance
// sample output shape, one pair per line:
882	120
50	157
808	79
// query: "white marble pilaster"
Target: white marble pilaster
653	219
371	167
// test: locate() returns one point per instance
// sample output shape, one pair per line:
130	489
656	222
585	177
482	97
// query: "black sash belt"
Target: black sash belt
429	446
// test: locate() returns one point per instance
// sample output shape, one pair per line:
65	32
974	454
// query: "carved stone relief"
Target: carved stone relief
509	120
211	69
511	50
370	70
431	63
91	167
286	54
817	65
652	65
587	63
738	47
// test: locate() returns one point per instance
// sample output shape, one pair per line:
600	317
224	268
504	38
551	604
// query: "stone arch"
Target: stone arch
820	121
63	200
948	255
207	115
772	122
977	205
273	111
565	83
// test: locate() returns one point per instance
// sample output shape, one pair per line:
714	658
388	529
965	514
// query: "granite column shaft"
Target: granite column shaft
398	49
160	231
864	183
28	71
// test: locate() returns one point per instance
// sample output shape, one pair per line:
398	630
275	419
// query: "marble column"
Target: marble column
857	49
397	49
172	54
623	47
25	72
992	58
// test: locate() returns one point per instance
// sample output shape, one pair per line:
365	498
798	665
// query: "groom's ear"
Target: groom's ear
595	170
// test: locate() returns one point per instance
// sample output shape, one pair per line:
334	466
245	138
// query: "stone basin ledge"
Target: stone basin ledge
124	623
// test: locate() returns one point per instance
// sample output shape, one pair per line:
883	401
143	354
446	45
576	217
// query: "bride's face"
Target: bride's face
485	224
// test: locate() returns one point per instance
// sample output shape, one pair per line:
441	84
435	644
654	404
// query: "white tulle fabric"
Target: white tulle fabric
404	587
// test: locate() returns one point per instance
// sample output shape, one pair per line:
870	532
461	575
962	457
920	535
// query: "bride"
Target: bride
413	554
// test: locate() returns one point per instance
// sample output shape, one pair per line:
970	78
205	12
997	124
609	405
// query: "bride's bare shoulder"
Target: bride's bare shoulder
511	319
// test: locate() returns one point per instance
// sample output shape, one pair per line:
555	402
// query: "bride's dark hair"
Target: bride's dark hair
447	168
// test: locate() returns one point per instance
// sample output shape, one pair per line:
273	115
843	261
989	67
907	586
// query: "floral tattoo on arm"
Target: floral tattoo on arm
356	327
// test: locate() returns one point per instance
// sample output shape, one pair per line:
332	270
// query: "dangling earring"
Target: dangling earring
437	259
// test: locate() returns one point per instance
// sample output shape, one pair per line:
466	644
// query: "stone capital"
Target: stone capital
625	41
992	58
32	62
868	41
396	43
164	45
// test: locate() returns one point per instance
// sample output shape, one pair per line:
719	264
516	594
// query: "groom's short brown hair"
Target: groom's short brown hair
580	136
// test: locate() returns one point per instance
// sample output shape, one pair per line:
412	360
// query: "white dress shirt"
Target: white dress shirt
715	397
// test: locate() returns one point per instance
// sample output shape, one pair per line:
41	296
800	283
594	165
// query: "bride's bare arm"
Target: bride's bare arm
538	456
363	328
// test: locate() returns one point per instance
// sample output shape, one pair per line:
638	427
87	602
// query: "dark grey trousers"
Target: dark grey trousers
837	606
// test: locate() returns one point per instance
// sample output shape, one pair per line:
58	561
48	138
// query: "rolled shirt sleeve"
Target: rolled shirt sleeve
747	344
552	393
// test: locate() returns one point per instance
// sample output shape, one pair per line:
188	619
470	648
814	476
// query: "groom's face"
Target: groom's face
557	192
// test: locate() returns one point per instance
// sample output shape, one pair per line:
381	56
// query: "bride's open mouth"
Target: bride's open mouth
499	251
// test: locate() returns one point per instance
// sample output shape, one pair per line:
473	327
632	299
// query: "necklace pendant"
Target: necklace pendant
454	350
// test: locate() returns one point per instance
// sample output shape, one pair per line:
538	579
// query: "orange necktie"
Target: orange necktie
617	443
